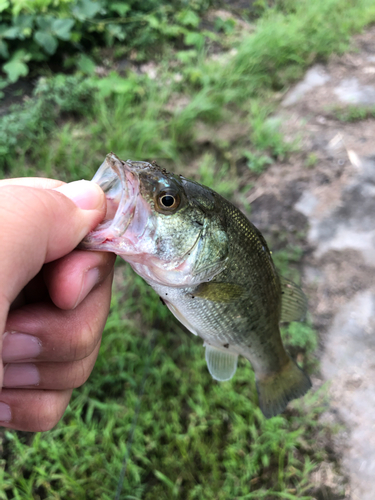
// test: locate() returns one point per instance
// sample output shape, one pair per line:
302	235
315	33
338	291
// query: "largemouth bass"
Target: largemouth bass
212	268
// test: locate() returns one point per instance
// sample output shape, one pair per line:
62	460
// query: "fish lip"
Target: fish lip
121	187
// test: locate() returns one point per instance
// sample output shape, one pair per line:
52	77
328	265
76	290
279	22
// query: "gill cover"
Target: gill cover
209	254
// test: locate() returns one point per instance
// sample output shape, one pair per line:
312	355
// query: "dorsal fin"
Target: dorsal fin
222	365
293	301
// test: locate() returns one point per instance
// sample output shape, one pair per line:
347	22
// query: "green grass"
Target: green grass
285	43
353	113
195	438
141	117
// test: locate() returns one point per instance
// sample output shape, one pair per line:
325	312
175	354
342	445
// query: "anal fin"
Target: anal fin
221	365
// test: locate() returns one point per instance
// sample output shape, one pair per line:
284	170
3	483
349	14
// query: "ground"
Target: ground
327	188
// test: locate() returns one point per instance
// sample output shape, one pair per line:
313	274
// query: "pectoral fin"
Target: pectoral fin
222	365
219	292
293	301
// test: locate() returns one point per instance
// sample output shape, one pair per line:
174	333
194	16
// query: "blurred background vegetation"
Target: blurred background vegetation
192	84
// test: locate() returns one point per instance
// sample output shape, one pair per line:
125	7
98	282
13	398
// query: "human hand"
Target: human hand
54	300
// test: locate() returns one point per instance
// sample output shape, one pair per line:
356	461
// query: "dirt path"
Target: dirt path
330	184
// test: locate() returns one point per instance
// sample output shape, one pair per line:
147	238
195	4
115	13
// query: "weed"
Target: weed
266	139
217	178
300	337
265	132
292	39
24	129
257	162
284	260
311	160
353	113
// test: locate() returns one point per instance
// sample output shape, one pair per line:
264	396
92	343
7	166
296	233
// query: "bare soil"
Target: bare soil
326	192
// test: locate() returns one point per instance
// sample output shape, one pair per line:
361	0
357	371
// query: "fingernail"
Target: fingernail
19	375
90	279
5	413
85	194
18	346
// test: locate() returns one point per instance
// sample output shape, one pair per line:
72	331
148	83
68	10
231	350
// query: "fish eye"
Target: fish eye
168	201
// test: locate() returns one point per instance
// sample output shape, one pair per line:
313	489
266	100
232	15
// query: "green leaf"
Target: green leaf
4	49
189	18
4	4
45	22
186	56
194	39
120	8
23	26
226	25
86	9
12	33
86	64
24	21
47	41
14	69
115	84
115	31
62	28
153	21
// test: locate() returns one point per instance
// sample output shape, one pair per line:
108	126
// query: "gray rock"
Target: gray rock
351	91
315	77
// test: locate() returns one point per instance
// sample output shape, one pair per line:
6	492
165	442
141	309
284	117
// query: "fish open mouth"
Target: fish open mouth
121	188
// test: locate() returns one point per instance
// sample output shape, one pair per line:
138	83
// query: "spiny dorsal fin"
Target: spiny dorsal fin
293	301
222	365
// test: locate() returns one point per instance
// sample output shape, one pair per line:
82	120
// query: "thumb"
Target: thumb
41	225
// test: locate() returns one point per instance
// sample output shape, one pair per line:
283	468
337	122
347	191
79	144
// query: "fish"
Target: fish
210	266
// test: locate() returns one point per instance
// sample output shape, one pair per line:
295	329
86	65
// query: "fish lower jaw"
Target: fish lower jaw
106	240
156	272
152	273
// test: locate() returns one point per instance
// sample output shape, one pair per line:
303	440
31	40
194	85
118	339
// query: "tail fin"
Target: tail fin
276	390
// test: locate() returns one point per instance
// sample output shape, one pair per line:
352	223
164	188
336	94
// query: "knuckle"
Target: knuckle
81	372
49	413
85	342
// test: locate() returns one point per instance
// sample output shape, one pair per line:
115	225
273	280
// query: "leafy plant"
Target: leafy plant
34	31
25	125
